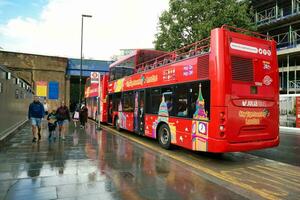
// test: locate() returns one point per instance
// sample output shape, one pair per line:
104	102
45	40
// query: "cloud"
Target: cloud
116	24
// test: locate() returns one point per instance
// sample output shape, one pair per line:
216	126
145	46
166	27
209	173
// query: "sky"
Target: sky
53	27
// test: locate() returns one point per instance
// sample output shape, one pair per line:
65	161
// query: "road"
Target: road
250	176
288	150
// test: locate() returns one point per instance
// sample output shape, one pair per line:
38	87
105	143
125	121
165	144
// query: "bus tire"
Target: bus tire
117	124
164	136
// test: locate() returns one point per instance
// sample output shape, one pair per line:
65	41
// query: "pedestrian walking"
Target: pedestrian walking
35	114
46	107
76	116
83	115
63	118
52	125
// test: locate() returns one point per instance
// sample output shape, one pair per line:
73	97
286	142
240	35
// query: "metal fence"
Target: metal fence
276	13
287	105
288	39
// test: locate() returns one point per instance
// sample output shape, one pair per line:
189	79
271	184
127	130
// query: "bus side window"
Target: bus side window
181	100
116	101
112	74
169	99
128	71
127	102
153	100
193	95
118	73
193	91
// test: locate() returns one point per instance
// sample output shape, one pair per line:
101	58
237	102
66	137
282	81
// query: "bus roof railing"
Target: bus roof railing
197	48
241	30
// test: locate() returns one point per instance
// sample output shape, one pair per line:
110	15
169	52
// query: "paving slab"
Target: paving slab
93	164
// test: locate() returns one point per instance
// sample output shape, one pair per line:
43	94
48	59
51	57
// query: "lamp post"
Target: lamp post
80	78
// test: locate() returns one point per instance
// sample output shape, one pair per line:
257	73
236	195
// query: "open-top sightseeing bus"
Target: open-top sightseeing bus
95	96
217	95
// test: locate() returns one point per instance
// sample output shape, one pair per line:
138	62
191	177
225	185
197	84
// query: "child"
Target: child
52	124
76	117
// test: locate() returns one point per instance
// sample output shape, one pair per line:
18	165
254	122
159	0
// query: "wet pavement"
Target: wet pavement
250	176
288	150
92	164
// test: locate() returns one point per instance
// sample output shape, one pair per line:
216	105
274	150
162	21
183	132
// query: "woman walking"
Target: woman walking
46	107
76	116
83	115
63	118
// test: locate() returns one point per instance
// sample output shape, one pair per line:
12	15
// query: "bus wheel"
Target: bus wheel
117	124
164	136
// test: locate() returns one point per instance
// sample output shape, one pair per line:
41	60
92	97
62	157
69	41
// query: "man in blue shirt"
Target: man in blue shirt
35	113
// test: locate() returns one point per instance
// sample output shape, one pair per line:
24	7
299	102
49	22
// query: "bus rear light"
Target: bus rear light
222	128
222	134
222	117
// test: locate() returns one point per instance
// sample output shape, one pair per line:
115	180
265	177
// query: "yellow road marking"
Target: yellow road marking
285	172
283	180
270	180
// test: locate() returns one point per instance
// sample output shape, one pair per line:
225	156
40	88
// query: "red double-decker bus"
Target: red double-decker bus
217	95
95	96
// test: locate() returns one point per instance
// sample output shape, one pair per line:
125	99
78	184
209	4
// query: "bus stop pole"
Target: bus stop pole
99	104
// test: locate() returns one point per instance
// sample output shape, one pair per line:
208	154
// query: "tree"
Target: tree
188	21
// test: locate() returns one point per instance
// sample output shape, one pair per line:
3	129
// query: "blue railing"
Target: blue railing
287	40
271	14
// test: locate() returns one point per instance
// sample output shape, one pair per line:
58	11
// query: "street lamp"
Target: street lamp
80	78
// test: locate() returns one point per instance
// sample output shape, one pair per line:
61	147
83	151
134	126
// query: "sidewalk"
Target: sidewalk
46	170
92	164
9	133
289	130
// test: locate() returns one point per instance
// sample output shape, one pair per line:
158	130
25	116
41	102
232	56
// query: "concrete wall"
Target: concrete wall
14	104
34	68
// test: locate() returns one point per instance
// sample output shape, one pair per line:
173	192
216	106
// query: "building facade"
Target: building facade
88	66
281	20
35	68
63	73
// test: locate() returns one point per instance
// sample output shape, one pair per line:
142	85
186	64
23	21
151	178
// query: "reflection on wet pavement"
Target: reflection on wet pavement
94	164
250	176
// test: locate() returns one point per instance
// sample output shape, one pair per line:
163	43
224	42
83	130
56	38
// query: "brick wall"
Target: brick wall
33	68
